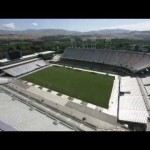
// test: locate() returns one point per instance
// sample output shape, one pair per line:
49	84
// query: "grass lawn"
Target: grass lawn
89	87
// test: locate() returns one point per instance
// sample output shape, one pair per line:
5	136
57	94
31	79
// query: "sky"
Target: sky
81	25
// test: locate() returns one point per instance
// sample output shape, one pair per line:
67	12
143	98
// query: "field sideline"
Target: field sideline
89	87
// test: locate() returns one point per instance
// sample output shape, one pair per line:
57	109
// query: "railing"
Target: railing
143	92
118	98
33	103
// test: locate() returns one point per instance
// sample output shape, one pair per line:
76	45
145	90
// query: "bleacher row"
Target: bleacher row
133	61
131	104
4	80
146	82
23	69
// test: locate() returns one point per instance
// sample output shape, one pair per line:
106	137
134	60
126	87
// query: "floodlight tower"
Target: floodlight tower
94	43
105	44
91	43
73	42
86	46
83	43
86	43
108	42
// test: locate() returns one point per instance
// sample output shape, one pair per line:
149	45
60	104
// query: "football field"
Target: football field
89	87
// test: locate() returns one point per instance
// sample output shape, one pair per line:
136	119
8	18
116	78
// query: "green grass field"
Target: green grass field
89	87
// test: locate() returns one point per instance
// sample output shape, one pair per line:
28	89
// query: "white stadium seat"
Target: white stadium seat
131	105
135	60
23	69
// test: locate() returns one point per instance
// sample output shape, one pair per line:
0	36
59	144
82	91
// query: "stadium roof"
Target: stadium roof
4	60
28	56
24	57
31	55
19	63
46	52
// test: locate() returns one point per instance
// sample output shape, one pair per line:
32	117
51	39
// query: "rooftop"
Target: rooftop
28	56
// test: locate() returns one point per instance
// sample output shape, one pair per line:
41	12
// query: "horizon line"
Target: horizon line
71	30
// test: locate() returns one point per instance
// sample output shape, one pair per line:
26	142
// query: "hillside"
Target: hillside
101	34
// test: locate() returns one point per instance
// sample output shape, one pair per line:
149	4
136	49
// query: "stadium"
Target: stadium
83	89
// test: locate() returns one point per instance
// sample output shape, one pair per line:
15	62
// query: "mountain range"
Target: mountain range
100	34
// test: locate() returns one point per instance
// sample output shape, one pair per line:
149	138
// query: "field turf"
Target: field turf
89	87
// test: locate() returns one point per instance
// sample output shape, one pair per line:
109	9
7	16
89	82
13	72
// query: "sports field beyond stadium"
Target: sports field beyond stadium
89	87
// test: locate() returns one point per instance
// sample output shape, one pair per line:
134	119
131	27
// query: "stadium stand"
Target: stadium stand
133	61
131	104
146	80
148	89
146	86
4	80
25	68
17	116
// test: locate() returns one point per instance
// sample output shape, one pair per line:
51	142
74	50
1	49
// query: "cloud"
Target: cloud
34	24
141	26
8	26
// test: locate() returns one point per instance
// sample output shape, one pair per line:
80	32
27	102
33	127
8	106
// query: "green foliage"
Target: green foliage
60	43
